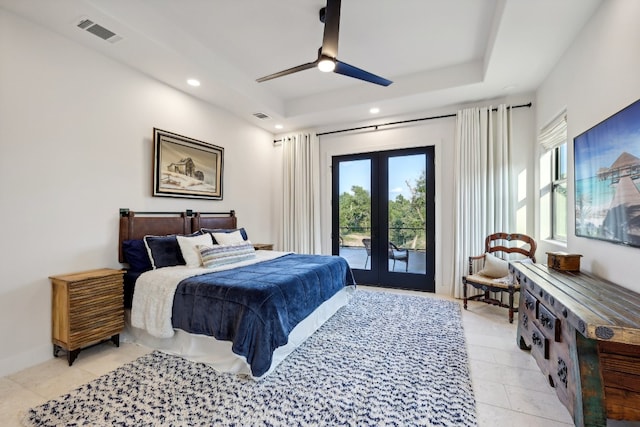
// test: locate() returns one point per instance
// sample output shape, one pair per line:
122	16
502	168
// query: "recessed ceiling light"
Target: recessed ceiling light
374	110
193	82
279	126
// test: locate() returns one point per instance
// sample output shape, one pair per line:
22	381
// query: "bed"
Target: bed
243	312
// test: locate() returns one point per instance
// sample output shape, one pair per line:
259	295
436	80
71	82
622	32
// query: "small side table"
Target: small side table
263	246
86	308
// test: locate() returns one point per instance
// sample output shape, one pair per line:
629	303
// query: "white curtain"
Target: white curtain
483	183
301	193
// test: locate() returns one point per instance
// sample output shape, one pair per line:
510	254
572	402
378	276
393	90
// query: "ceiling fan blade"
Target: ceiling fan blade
357	73
288	71
331	29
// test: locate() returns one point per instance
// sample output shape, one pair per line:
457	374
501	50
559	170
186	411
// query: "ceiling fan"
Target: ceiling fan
328	54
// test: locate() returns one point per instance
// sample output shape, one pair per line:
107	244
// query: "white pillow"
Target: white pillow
189	248
494	266
233	238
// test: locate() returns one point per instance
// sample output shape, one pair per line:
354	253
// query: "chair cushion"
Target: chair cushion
500	283
494	267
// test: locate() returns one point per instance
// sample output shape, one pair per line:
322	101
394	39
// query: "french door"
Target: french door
383	216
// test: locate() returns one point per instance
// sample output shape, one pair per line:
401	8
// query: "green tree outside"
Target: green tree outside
406	216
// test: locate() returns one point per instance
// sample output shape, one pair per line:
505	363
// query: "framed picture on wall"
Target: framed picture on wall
607	179
186	167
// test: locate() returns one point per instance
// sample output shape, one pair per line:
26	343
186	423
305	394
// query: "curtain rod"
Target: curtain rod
403	122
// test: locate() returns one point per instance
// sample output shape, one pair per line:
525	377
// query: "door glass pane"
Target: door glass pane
407	214
355	213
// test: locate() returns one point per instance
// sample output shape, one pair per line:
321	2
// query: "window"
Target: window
553	180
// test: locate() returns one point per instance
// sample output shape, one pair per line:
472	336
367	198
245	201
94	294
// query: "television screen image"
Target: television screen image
607	179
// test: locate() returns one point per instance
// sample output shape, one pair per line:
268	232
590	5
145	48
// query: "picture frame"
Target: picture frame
607	179
186	167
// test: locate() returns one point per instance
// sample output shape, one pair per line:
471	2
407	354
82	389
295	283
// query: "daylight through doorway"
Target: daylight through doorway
383	217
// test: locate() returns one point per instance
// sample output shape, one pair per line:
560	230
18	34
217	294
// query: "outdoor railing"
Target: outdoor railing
416	233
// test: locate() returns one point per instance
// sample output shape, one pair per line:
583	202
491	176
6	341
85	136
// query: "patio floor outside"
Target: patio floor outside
356	256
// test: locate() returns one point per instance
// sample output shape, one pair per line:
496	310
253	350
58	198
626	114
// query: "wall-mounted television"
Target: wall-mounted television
607	179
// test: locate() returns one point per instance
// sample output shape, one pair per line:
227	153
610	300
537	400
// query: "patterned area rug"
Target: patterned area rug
383	360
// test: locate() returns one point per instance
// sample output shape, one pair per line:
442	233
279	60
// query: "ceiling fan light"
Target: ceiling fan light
326	65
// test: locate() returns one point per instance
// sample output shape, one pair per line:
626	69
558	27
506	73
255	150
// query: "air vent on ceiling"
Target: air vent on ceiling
261	116
99	30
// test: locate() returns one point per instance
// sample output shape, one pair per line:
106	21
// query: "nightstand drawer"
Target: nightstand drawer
80	303
94	332
108	308
89	289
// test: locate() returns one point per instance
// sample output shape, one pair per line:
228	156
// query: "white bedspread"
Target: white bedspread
152	304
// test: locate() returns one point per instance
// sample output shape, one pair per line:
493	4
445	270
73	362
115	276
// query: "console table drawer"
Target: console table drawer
530	304
549	322
539	342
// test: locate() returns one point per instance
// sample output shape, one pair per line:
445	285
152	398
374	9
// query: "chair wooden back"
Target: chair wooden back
510	243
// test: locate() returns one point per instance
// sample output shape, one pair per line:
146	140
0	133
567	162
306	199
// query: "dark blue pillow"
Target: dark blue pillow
136	255
164	251
243	233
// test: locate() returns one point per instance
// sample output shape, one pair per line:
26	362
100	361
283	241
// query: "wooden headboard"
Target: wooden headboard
213	220
136	225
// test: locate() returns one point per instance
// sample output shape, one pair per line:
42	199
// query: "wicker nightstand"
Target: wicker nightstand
87	308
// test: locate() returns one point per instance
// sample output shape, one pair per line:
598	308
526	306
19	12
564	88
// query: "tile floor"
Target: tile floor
509	388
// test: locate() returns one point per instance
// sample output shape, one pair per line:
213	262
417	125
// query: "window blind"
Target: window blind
555	133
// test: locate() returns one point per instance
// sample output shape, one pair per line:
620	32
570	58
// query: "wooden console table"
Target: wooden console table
584	333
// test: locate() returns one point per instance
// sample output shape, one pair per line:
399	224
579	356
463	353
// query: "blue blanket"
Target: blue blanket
257	306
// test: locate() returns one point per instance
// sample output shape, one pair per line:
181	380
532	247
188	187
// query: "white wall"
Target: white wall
75	146
439	133
595	78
